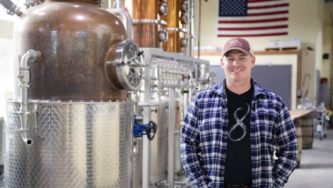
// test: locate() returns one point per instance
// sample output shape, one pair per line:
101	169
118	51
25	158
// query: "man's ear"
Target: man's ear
253	60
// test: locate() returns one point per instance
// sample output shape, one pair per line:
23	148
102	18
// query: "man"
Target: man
232	130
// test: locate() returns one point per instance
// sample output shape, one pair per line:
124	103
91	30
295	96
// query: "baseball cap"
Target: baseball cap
237	44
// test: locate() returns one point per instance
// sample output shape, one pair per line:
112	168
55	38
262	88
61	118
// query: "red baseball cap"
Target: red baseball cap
237	44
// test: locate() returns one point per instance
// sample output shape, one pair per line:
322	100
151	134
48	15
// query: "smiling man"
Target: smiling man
232	130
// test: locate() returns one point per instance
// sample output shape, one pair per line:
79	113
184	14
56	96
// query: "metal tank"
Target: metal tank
69	123
78	144
73	38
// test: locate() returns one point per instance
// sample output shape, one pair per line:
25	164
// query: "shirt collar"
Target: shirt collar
220	89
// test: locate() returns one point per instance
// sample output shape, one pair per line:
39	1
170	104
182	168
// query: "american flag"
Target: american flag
252	18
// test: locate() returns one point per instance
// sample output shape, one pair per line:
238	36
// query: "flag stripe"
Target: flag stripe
256	1
254	18
237	32
268	6
268	13
253	35
265	24
252	28
273	3
253	21
251	11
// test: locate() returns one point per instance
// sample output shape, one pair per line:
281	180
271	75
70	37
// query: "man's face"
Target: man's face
237	66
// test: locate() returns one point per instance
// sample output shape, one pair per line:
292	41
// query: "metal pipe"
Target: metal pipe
171	137
146	146
120	3
191	27
11	7
24	79
199	28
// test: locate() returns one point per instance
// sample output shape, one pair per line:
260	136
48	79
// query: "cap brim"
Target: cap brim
235	48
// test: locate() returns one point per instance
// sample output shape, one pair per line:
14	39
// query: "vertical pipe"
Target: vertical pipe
199	29
146	152
191	27
120	4
146	118
171	137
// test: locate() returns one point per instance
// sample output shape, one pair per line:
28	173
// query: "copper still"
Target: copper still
145	34
176	19
172	44
147	25
69	123
74	38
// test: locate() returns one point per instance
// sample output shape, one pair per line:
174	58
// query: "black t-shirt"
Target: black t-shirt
238	161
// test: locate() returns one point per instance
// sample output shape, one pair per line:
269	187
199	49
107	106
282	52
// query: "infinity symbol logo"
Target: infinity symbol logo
239	122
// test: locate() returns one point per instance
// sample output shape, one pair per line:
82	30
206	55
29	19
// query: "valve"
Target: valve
140	129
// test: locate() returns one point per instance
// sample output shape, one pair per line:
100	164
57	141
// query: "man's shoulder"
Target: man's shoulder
212	91
265	93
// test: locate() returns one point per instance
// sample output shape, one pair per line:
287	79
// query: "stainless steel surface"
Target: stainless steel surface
166	75
1	145
124	66
137	163
171	137
146	149
76	144
159	146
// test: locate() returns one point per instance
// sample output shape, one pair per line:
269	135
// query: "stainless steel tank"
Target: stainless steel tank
86	144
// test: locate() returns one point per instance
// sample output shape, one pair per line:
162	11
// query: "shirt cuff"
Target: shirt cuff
199	183
277	183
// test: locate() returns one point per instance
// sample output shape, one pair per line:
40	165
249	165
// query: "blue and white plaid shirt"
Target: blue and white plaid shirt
205	132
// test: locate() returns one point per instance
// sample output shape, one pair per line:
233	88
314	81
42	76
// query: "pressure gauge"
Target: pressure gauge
124	65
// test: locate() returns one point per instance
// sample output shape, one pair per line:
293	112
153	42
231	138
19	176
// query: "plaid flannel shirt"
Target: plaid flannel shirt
204	136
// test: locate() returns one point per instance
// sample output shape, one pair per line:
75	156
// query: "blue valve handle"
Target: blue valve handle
140	129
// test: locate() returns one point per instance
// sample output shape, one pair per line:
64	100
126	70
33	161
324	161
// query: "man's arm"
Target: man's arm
189	148
286	149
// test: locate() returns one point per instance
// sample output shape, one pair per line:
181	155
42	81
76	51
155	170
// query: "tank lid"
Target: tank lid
97	2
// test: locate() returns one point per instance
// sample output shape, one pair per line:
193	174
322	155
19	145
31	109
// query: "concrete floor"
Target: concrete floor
316	169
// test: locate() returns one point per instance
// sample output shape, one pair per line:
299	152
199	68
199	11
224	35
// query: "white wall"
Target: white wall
306	20
6	72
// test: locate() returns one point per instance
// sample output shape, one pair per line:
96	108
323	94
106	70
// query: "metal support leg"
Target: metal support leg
146	153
